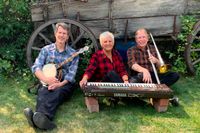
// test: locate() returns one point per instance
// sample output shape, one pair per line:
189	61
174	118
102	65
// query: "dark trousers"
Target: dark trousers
112	76
49	101
167	78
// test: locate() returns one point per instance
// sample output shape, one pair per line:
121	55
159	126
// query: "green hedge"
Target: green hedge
16	27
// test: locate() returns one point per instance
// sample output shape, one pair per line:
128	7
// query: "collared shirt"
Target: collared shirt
140	56
100	65
49	54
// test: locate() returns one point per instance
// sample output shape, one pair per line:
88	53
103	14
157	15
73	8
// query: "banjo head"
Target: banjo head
49	70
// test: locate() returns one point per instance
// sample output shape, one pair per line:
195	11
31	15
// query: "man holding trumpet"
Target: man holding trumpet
143	60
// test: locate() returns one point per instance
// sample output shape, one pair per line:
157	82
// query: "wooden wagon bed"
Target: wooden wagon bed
161	17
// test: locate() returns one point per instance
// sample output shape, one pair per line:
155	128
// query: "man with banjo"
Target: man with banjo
54	90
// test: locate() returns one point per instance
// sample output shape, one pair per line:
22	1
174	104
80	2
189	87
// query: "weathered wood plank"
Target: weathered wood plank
93	9
140	8
98	9
155	15
157	25
37	13
97	26
193	6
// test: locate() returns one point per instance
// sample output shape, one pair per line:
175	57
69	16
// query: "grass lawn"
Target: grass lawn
73	116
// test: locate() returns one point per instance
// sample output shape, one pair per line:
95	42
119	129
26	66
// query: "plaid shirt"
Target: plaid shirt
141	57
100	65
49	54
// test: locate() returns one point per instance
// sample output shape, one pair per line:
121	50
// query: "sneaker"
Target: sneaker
29	116
120	102
107	101
42	121
174	101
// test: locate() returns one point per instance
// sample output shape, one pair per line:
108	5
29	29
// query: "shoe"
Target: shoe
174	101
110	101
107	101
42	121
120	102
29	116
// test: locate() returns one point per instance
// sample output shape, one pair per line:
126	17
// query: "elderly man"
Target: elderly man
139	61
105	65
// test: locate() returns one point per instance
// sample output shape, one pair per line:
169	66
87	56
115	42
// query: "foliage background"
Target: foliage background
179	65
15	30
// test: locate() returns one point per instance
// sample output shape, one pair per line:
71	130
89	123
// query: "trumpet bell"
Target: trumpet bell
163	69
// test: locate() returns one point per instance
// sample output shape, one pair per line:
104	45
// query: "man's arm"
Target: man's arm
48	80
40	75
83	80
136	67
146	75
70	76
155	60
38	65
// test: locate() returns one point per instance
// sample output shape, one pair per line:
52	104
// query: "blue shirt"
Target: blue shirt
49	54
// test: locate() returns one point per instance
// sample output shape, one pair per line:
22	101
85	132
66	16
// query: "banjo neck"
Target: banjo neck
67	60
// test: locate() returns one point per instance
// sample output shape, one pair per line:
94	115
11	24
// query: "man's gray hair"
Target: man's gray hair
106	34
141	29
63	25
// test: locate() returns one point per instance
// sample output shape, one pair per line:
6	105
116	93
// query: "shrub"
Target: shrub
15	29
179	64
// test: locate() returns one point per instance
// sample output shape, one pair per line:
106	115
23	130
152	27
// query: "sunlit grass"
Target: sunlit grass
73	117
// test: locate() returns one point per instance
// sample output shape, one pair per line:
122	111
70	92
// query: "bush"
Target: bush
16	27
179	64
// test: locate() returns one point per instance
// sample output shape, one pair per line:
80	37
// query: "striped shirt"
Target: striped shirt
140	56
49	54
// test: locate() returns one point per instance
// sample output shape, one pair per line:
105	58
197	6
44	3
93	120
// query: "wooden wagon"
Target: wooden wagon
88	18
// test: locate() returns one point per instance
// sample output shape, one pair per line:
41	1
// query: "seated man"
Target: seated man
139	60
105	65
57	91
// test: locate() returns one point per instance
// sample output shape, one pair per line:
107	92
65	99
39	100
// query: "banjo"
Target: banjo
51	70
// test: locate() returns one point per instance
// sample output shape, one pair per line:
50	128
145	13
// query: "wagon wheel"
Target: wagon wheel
79	36
192	50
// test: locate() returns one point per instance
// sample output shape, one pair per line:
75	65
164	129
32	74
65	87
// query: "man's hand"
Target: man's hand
51	80
57	85
144	71
54	86
153	59
146	76
126	82
82	82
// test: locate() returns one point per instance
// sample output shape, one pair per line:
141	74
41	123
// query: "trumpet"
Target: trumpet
163	67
